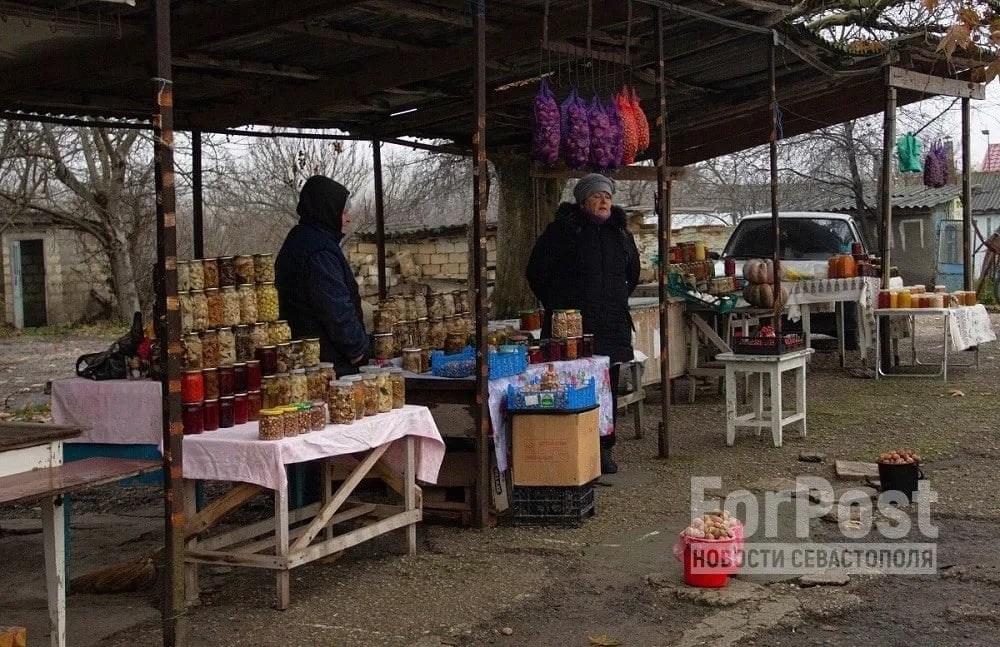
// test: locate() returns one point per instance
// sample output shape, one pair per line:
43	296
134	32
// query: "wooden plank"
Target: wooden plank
15	435
191	591
353	538
344	491
54	540
409	497
582	52
235	559
220	507
254	530
26	459
78	475
935	85
282	577
351	513
641	173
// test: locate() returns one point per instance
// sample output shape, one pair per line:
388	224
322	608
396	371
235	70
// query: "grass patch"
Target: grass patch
31	413
101	329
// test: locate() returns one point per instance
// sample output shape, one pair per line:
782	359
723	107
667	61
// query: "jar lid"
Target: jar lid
244	256
298	371
226	328
278	322
412	350
270	412
228	288
371	370
225	258
265	255
193	261
226	397
225	369
304	406
383	334
212	401
212	368
350	378
211	289
239	395
182	262
311	369
326	364
196	371
283	344
252	361
311	339
194	292
342	383
393	369
318	403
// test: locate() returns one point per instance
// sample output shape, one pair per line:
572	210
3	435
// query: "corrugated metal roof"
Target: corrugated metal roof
985	196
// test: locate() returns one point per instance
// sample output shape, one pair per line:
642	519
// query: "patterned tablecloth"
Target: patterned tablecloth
863	290
577	370
970	326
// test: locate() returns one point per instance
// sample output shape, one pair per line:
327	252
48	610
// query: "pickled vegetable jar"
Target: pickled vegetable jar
267	302
196	276
263	268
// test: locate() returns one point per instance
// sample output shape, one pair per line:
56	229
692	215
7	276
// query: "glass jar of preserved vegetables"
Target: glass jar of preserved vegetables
448	299
187	315
244	344
248	303
284	386
371	394
296	353
227	271
328	372
421	337
263	268
210	272
299	385
267	301
384	345
398	383
183	278
243	266
192	351
436	333
209	349
196	276
384	319
285	360
270	396
230	306
412	360
214	299
227	346
420	305
199	310
210	380
316	385
279	332
340	401
356	382
310	352
258	333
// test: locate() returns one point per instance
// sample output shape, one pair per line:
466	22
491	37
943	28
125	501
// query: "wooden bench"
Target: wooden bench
47	485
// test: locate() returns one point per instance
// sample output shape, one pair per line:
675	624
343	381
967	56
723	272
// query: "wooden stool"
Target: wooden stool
772	367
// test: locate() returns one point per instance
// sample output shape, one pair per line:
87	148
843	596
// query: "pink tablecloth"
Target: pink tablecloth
119	412
237	455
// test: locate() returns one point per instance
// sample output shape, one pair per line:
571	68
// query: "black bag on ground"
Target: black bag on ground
112	364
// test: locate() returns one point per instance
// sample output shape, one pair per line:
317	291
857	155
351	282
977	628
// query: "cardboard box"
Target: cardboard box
556	448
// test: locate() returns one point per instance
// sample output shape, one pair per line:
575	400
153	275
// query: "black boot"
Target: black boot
608	464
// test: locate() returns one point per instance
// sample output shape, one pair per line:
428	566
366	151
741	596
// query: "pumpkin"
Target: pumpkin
759	270
761	295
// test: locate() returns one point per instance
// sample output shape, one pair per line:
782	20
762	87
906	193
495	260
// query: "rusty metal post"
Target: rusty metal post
198	206
379	216
663	226
885	202
168	326
775	220
969	279
480	187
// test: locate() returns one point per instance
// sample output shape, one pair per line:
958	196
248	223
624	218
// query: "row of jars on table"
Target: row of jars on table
411	307
214	398
271	343
224	271
244	304
450	333
917	296
565	323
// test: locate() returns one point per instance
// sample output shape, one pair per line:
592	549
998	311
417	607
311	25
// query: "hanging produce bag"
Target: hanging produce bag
575	138
546	121
630	129
617	131
936	166
641	123
908	151
601	136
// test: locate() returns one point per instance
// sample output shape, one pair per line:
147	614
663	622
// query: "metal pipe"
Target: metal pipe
379	216
198	202
775	219
480	188
663	225
969	279
168	327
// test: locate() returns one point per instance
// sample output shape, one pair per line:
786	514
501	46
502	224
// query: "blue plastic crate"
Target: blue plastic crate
507	364
461	364
569	399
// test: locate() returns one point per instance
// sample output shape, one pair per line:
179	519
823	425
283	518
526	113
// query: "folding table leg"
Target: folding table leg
777	412
758	399
730	405
283	577
410	496
191	494
53	539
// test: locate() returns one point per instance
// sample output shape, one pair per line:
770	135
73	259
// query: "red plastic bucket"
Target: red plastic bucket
708	564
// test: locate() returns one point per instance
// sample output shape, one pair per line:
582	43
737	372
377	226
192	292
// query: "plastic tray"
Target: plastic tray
722	303
507	364
463	364
566	400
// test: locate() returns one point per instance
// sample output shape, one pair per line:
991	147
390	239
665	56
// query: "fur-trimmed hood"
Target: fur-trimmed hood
570	213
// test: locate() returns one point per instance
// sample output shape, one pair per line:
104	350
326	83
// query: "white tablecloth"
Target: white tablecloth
597	367
970	326
118	412
863	290
236	454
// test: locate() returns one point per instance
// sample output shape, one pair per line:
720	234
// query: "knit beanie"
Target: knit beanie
590	184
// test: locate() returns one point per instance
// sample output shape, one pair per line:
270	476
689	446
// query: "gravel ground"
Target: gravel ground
599	583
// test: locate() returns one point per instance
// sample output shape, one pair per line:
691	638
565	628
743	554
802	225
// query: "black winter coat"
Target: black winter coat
594	268
318	295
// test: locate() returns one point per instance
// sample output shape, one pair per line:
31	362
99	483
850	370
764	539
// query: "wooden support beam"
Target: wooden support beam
425	12
219	508
574	50
351	38
203	62
639	173
935	85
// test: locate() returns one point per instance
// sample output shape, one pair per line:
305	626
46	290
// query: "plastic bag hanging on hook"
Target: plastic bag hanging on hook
908	151
936	166
575	139
546	118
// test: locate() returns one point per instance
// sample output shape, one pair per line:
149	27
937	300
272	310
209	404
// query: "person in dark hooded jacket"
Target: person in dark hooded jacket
317	292
587	260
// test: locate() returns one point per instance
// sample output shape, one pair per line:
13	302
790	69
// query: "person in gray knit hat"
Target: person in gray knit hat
587	260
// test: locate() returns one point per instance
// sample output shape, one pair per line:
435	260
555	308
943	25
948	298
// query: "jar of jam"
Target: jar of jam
268	358
227	413
243	266
530	320
240	377
253	375
227	271
730	265
196	274
191	418
587	346
553	350
883	299
241	409
192	387
227	346
192	351
263	268
412	360
227	381
535	355
253	405
209	348
210	383
210	415
210	272
247	296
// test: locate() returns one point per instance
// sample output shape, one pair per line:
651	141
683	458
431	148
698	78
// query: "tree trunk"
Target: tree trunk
123	278
516	230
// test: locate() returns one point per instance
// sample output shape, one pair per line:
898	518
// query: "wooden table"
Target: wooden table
32	469
772	367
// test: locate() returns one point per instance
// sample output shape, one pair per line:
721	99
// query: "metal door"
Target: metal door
949	269
17	292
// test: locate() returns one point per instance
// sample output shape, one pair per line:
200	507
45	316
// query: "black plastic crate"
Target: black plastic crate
755	345
543	505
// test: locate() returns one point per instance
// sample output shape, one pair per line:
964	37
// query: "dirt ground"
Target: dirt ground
612	581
